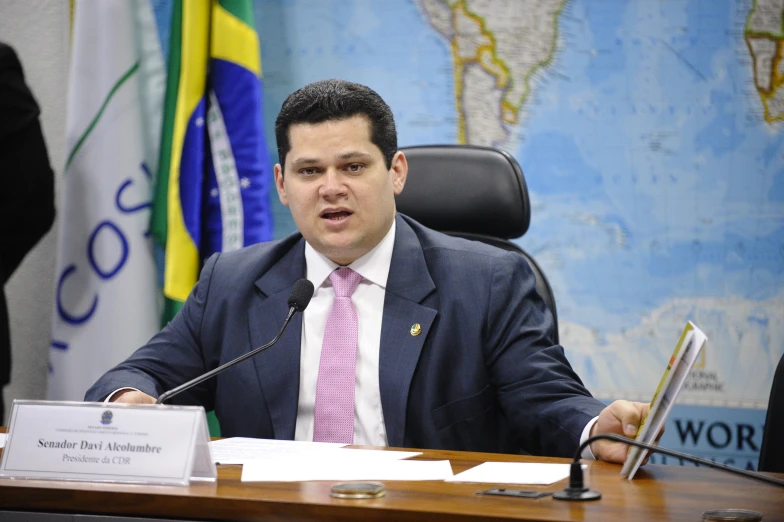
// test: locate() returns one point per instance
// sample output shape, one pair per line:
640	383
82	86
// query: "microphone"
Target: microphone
298	300
576	490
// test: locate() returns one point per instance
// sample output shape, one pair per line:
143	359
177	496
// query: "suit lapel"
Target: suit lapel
408	284
278	367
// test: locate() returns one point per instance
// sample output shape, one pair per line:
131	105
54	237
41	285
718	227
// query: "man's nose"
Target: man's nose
333	183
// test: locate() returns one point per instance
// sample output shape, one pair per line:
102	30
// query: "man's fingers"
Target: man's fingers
630	414
622	418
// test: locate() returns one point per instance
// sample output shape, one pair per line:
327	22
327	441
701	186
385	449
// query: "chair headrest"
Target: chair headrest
462	188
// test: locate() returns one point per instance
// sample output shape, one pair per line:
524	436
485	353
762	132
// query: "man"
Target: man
27	197
412	338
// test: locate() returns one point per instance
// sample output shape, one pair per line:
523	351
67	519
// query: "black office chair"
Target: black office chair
772	451
473	192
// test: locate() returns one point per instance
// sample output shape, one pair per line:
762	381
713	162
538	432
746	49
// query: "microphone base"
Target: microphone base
580	494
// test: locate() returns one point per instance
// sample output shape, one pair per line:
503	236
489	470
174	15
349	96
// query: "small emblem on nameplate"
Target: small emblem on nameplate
106	417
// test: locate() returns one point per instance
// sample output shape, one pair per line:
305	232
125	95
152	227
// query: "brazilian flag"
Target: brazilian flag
212	189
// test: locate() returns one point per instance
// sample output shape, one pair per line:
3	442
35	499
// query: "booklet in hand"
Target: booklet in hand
689	346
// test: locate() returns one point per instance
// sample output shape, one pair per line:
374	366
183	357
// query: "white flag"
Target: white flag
106	296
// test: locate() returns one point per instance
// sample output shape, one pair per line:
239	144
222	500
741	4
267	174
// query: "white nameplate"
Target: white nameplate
91	441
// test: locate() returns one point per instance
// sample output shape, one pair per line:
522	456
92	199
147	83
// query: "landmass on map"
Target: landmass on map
497	47
765	38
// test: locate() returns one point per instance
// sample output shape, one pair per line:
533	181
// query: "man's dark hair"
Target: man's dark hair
327	100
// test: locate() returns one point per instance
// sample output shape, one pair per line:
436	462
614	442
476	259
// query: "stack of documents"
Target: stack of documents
241	450
290	461
343	468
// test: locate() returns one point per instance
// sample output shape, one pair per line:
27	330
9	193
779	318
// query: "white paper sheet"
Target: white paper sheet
238	450
2	439
334	468
513	473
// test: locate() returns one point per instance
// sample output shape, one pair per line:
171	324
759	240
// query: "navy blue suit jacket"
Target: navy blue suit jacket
483	375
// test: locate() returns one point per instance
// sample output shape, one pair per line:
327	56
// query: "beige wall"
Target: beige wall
38	30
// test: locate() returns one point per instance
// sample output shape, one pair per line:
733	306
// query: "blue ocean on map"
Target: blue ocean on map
657	191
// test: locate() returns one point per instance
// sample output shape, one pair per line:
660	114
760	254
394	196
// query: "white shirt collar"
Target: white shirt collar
373	266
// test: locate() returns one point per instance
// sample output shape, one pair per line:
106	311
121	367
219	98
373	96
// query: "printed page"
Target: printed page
238	450
335	467
534	473
689	347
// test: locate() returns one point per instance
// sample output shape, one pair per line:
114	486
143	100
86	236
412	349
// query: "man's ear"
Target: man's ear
399	171
278	169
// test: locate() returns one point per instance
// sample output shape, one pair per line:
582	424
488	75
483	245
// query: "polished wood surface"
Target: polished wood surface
656	493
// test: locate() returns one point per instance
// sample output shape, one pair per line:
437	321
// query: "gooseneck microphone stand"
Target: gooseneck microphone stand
576	490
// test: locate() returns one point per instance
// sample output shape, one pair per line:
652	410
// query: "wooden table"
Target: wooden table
656	493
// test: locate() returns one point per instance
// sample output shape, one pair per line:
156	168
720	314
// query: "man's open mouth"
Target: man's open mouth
336	215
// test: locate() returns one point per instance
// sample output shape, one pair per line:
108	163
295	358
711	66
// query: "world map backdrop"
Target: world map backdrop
650	137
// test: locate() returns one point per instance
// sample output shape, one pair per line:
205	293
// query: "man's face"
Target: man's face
339	190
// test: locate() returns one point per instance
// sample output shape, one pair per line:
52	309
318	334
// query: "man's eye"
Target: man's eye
355	167
308	171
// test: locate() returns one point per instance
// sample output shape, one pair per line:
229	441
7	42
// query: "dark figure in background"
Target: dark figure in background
27	194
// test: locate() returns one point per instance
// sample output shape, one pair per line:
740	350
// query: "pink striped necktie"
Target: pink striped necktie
334	412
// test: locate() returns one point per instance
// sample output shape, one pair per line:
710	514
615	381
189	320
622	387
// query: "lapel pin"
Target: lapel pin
416	329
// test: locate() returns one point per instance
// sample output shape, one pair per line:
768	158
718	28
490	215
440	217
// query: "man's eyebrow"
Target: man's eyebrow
351	155
304	161
355	155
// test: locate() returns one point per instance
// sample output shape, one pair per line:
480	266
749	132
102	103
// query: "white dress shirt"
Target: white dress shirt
368	301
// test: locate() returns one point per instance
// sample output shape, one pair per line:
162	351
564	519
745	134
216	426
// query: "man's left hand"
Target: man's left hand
621	418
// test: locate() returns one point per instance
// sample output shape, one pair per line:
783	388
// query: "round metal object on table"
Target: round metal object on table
358	490
744	515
